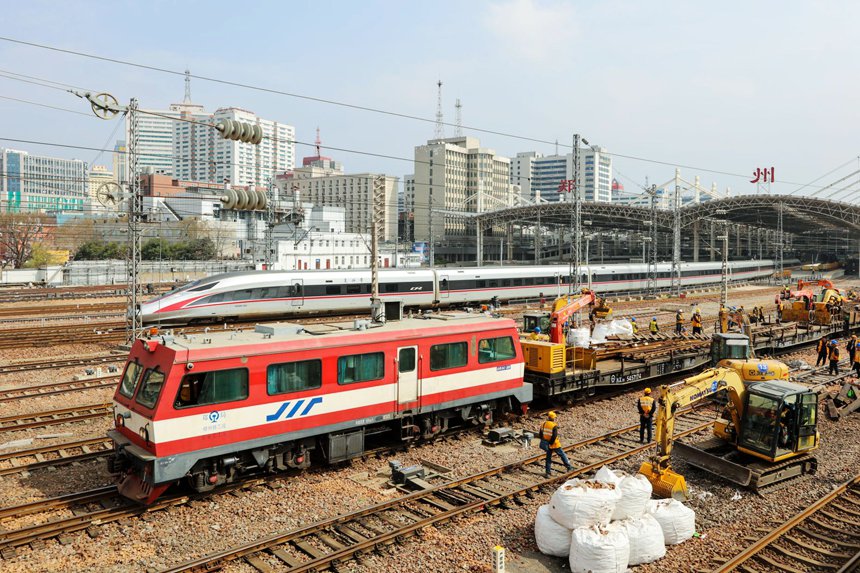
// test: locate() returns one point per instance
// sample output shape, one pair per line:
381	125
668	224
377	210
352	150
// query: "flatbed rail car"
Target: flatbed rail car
587	372
210	408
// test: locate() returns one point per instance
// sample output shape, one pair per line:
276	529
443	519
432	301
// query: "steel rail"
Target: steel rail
447	491
54	417
60	450
773	536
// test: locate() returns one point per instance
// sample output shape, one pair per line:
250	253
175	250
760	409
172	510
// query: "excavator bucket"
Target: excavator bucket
709	461
666	483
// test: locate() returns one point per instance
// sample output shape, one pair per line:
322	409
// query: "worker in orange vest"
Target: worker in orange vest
822	352
696	323
550	443
833	355
645	405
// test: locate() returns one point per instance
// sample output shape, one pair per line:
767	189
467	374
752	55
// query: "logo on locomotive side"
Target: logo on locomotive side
279	415
214	416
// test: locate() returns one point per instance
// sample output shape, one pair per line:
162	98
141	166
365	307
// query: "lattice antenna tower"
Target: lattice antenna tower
440	123
318	143
187	86
458	118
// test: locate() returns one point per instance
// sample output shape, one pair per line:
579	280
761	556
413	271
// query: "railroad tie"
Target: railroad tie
347	531
309	549
330	541
258	564
288	559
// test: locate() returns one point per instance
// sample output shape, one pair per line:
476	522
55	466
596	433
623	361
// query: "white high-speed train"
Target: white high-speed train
250	295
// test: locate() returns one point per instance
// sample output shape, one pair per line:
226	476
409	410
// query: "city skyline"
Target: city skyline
647	93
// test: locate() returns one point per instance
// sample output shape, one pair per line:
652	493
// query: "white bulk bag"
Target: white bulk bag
635	492
578	337
621	326
599	550
646	539
552	538
582	503
676	519
601	331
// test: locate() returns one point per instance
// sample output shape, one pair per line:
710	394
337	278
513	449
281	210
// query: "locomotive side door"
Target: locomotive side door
407	374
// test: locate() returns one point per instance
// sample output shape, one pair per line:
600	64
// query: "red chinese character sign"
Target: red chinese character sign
566	186
763	175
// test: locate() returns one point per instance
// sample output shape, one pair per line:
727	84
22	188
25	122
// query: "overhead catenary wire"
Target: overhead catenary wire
359	107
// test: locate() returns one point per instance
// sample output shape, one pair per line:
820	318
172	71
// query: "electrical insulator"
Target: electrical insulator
240	131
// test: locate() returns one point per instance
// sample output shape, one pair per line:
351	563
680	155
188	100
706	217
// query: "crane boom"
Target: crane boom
562	309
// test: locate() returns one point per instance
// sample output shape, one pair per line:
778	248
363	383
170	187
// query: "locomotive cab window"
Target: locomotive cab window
130	378
496	349
150	388
360	368
293	376
213	387
451	355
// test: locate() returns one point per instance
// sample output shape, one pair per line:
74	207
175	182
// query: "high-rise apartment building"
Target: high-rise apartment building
547	173
201	154
37	183
353	192
457	174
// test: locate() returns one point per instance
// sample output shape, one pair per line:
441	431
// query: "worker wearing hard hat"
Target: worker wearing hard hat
696	322
646	408
652	326
833	356
550	443
851	347
856	363
679	322
536	334
634	325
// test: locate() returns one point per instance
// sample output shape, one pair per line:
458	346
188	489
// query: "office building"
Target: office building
35	183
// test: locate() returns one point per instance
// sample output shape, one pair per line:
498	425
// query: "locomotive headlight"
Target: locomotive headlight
144	433
120	421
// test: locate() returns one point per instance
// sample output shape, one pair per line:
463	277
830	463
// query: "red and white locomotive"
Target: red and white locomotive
209	408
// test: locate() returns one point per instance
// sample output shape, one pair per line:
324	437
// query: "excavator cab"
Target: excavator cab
536	319
780	421
730	346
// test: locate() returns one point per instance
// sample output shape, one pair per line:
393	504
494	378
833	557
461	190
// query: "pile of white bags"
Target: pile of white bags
582	503
609	523
578	337
676	519
646	539
635	492
616	327
599	550
552	538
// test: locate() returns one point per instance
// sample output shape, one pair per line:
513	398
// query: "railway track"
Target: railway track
330	541
54	417
24	392
73	512
61	363
823	537
54	456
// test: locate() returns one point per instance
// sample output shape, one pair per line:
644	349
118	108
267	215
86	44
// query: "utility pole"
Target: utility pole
133	321
575	219
652	260
724	270
676	236
780	239
432	234
377	313
270	224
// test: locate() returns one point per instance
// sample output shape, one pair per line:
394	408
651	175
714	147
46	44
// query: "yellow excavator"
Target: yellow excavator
764	434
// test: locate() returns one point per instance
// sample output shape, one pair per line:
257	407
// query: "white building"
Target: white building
99	175
522	172
327	187
547	173
457	174
37	183
201	154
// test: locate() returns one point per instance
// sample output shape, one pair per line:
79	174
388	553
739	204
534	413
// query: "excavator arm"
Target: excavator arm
562	309
686	393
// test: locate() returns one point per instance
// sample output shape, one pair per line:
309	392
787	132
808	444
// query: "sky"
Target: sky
717	89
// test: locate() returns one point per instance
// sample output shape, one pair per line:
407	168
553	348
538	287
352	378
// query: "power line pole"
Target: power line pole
432	234
724	269
652	259
270	224
377	314
780	239
575	220
133	322
676	236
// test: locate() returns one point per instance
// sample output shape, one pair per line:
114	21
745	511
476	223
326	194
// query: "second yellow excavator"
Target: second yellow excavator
764	434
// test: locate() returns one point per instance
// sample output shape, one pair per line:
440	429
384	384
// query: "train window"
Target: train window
518	282
480	284
494	283
390	287
451	355
285	291
153	381
360	368
353	289
506	282
495	349
332	289
213	387
406	360
297	289
202	287
258	293
293	376
271	292
130	378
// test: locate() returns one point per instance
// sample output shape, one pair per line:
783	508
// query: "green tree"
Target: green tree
38	256
156	250
97	250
